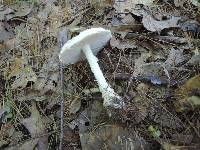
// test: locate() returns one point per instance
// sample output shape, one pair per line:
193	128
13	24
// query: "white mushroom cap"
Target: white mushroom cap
96	38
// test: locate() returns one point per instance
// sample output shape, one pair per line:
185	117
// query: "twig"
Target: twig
62	39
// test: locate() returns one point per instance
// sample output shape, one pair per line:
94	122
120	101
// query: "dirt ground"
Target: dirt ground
152	62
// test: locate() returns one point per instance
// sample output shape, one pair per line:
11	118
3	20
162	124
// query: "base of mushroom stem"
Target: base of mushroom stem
113	100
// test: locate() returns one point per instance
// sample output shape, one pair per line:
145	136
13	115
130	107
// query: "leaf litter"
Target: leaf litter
152	61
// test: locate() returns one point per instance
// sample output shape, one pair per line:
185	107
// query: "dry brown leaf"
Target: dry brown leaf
24	75
153	72
35	125
49	74
157	26
4	11
122	44
112	137
44	12
125	23
75	105
21	10
4	34
99	5
187	95
28	145
175	57
31	96
179	3
129	5
195	60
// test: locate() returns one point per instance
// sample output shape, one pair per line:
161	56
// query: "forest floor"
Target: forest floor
152	61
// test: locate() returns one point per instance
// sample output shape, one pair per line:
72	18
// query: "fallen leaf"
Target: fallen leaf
88	118
49	74
75	106
2	112
172	39
35	125
33	95
101	5
153	72
157	26
166	118
4	34
5	11
179	3
195	2
190	25
183	138
128	5
122	44
25	75
187	98
28	145
195	60
125	23
20	10
138	112
169	146
16	137
112	137
175	57
6	132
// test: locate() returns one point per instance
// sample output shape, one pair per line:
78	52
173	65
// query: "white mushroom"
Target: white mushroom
86	45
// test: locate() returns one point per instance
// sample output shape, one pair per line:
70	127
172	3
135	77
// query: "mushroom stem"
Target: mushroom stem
110	97
93	62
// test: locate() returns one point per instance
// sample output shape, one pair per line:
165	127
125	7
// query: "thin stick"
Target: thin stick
62	39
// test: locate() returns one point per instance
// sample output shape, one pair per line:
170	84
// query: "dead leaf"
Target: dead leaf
187	95
25	75
157	26
28	145
129	5
6	132
195	2
16	137
35	125
190	25
195	60
33	95
153	72
125	23
75	105
112	137
100	5
166	118
169	146
2	113
20	10
175	57
182	138
5	11
89	117
138	112
122	44
179	3
4	34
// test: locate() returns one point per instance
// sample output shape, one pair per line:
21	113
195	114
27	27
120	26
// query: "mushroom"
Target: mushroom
86	45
